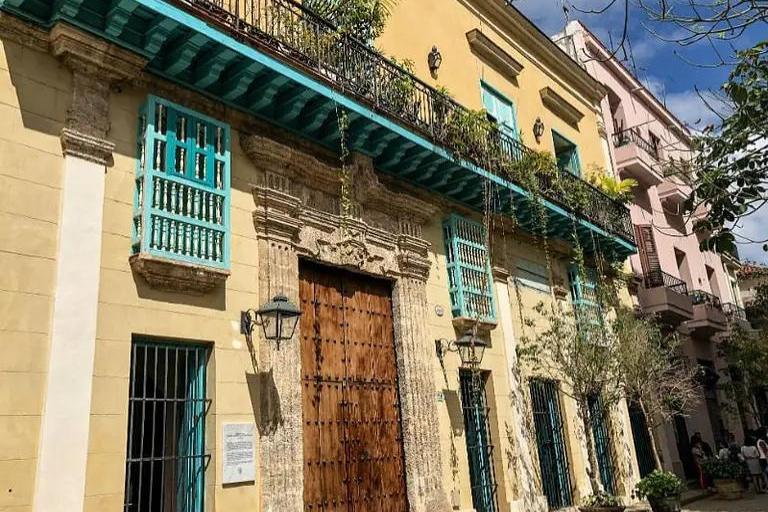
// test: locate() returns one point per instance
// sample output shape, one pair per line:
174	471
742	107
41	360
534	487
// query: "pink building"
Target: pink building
690	290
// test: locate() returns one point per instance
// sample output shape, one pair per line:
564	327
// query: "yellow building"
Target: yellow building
169	166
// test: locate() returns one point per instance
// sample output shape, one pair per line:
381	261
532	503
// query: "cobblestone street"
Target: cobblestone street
750	503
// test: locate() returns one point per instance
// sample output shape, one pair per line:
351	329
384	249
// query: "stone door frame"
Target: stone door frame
297	216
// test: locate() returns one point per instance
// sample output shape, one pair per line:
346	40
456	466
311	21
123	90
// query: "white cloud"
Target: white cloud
692	109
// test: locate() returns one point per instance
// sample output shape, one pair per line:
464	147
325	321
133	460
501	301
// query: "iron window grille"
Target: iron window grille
602	438
478	436
181	204
550	443
167	409
642	440
469	269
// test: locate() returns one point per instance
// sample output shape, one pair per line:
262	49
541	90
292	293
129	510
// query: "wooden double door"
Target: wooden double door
353	450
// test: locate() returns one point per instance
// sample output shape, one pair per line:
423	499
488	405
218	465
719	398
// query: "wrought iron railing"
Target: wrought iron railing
633	136
734	311
701	297
658	278
294	33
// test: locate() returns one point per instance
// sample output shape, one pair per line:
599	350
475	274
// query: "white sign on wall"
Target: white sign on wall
238	450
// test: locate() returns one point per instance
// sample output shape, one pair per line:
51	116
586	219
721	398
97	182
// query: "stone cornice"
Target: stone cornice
560	106
171	275
493	54
84	53
25	34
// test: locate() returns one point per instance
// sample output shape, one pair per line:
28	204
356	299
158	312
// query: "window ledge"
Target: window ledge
176	276
463	324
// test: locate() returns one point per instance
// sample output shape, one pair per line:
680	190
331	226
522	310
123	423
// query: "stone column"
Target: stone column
63	451
416	359
280	414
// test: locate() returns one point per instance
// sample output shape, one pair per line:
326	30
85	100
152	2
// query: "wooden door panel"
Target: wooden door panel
352	435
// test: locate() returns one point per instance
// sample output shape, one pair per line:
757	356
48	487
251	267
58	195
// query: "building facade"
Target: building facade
170	166
692	291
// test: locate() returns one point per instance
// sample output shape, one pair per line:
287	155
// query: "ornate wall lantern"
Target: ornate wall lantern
435	60
470	348
278	318
538	129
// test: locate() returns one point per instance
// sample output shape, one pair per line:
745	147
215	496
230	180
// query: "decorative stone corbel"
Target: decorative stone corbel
97	66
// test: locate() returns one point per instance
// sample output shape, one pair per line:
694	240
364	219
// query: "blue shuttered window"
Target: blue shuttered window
566	154
469	269
601	436
181	205
550	442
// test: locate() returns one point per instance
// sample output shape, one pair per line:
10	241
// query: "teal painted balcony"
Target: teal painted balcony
276	60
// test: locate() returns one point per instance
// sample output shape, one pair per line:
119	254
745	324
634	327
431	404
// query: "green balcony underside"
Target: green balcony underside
258	79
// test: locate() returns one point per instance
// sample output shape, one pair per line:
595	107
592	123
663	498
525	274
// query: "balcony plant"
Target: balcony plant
363	19
726	475
662	489
602	502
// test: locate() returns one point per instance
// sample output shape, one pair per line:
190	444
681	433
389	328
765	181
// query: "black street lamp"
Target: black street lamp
470	348
278	318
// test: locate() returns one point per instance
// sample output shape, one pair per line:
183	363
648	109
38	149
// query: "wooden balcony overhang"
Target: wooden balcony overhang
239	62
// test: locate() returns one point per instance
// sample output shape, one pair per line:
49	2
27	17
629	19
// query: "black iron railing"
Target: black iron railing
633	136
701	297
734	312
658	278
296	34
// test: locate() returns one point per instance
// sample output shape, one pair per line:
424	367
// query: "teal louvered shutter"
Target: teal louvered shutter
501	109
181	205
584	296
469	269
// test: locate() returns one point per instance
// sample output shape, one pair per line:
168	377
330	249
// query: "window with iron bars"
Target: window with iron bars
469	269
181	204
167	408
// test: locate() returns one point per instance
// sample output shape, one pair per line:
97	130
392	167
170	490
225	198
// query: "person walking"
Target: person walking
697	453
762	447
752	458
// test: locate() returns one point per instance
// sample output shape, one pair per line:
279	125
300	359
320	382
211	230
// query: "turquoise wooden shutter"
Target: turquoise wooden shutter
182	200
584	295
502	110
469	269
601	435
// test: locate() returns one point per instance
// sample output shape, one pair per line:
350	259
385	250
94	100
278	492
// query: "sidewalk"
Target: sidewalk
750	503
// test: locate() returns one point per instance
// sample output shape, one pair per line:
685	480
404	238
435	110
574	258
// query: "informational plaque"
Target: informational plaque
238	447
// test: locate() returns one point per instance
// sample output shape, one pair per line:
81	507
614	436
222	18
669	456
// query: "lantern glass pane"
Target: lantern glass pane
271	326
287	326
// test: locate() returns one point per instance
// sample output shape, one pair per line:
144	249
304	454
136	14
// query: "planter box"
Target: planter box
729	489
668	504
602	509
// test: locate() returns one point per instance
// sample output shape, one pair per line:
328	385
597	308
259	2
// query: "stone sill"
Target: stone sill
462	324
177	276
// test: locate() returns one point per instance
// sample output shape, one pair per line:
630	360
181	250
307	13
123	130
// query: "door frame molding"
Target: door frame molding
297	205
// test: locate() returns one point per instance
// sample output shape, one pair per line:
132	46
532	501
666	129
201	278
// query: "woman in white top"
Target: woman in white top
752	457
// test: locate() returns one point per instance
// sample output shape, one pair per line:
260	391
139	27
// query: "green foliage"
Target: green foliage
722	469
601	499
618	190
467	135
659	484
363	19
732	161
398	91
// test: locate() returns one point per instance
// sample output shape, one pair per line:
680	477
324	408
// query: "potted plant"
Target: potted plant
602	502
662	489
726	475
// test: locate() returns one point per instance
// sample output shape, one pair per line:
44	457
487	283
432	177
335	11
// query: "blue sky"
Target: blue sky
672	72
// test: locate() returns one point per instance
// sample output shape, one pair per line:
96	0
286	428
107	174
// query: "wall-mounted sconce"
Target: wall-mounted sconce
278	318
470	348
435	60
538	129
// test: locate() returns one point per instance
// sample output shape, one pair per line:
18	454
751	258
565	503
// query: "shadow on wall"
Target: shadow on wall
265	402
216	299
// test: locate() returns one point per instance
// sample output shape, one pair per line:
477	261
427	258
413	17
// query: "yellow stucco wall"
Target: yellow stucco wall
34	94
418	25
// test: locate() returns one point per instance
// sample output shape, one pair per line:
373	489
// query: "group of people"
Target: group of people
752	456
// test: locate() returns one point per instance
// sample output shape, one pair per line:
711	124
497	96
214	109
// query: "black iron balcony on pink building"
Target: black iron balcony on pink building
278	61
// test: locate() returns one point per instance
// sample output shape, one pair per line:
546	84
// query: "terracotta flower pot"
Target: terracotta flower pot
729	489
665	504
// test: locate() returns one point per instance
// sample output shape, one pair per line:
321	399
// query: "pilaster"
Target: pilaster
96	67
